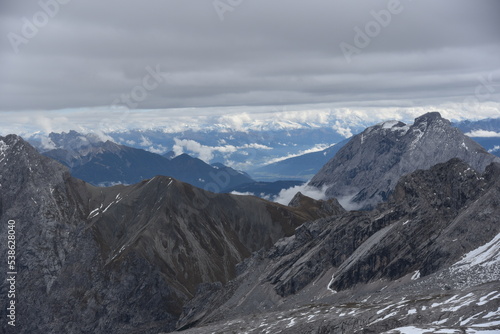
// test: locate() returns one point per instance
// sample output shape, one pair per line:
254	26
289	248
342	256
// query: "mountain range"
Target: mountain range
267	151
162	255
106	163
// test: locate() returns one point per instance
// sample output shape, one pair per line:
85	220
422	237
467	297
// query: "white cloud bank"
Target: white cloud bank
242	194
496	148
286	195
207	153
341	117
316	148
483	133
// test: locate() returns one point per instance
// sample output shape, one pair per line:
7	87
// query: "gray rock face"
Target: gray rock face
191	235
316	207
121	259
62	284
368	272
366	170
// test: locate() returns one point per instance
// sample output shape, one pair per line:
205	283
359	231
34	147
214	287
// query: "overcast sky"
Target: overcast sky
60	60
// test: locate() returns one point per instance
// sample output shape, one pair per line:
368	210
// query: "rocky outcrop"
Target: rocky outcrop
121	259
366	170
316	207
433	217
409	246
424	228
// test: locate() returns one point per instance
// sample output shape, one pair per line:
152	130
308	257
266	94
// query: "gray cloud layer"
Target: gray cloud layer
263	53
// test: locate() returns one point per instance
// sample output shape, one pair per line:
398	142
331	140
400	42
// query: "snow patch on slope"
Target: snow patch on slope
3	148
485	255
389	124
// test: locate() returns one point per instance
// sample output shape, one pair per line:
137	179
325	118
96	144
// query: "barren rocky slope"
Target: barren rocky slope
429	258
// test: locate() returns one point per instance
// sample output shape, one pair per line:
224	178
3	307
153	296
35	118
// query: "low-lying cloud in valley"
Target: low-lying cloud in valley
286	195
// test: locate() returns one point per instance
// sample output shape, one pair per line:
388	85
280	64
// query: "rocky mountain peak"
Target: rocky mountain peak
19	157
74	140
298	200
430	122
365	171
314	207
433	117
8	143
10	139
